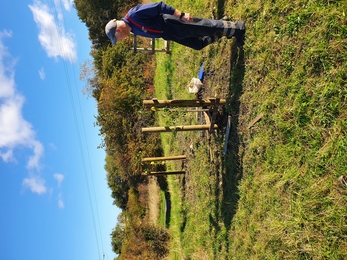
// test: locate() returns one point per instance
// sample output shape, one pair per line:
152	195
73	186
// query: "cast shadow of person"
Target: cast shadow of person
232	160
220	9
232	167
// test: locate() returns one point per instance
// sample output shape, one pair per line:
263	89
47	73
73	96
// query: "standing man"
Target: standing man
159	20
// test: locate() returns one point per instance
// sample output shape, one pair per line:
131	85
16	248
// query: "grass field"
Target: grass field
277	193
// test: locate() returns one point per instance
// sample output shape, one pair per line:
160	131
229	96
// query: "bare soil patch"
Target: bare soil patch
153	200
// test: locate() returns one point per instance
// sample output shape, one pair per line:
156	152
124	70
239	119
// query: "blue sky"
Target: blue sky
55	203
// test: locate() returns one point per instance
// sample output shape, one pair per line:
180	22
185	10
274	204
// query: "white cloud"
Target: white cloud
52	36
35	183
66	3
52	146
15	131
34	161
59	177
60	201
7	156
42	74
50	193
6	72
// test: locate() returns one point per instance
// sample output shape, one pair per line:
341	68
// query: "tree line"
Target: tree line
119	81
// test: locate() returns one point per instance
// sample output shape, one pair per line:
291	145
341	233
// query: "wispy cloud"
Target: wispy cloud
52	146
15	131
6	72
60	201
59	177
52	35
42	74
66	3
35	183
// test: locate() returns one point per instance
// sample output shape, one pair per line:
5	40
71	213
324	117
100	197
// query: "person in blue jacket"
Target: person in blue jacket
159	20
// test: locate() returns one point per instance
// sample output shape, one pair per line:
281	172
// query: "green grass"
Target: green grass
162	214
276	194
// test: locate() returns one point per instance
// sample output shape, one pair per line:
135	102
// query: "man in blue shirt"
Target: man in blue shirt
159	20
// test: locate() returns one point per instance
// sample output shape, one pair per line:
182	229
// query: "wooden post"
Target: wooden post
177	128
167	158
153	46
148	104
152	50
255	120
165	173
214	114
167	46
227	135
135	43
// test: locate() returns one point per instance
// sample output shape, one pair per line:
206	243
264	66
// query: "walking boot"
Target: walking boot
210	39
240	33
236	29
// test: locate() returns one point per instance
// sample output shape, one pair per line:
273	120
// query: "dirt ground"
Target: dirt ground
217	71
153	200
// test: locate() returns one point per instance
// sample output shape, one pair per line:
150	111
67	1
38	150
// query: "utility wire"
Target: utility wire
72	101
86	142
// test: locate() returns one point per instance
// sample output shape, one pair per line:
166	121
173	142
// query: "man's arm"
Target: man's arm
167	9
154	9
183	16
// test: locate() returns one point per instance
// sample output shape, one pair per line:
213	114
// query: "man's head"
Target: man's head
110	30
117	30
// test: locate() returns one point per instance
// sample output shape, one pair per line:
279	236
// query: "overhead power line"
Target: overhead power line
81	132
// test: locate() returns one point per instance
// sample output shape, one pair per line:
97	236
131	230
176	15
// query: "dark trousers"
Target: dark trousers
197	34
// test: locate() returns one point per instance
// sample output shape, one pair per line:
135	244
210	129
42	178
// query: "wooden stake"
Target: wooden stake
165	173
167	158
177	128
227	135
148	104
255	120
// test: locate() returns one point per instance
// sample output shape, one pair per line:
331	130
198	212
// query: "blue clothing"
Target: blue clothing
201	73
149	16
159	16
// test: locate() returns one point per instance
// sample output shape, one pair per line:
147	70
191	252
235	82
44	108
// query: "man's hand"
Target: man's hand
187	18
183	16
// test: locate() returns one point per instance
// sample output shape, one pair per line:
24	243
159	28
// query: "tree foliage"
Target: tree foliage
118	79
134	237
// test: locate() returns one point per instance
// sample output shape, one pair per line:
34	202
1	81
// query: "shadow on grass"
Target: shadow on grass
164	187
233	168
230	171
220	9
